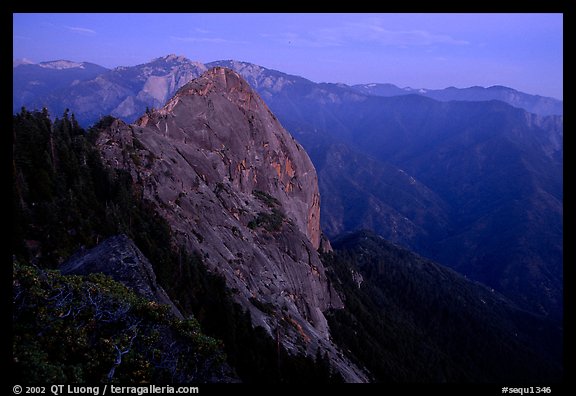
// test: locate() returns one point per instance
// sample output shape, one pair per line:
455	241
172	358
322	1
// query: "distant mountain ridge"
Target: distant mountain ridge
123	92
533	103
38	85
126	91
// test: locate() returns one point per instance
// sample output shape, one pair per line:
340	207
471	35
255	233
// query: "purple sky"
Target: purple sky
522	51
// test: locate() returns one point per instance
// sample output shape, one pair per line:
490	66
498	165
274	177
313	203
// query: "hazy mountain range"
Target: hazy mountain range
469	177
126	91
533	103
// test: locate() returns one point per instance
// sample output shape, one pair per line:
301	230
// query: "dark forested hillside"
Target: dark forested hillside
411	320
361	192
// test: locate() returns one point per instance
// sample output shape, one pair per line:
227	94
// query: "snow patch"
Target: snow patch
61	65
22	61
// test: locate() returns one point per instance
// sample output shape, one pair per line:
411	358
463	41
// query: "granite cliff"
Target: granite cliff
239	190
121	259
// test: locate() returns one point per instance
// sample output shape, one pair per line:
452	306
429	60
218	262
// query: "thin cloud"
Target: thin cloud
81	30
376	33
367	33
202	31
212	40
315	41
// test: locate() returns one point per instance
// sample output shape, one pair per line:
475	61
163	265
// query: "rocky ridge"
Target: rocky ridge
121	259
238	189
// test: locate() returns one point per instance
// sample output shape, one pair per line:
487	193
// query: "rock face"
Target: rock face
237	188
119	258
256	152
